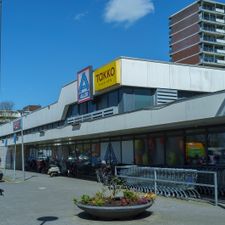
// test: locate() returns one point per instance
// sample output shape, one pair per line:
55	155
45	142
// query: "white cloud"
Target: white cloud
127	11
79	16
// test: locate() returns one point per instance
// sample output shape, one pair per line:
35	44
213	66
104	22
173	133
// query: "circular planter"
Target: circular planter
114	212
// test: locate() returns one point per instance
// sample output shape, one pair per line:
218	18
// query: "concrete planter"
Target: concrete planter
114	212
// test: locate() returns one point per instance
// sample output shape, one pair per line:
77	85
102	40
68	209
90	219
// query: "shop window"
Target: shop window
174	151
85	155
141	152
96	154
127	152
216	149
110	152
156	150
195	149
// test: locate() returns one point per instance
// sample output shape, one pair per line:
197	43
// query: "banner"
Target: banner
17	125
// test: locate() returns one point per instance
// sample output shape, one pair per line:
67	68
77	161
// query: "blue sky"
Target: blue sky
45	42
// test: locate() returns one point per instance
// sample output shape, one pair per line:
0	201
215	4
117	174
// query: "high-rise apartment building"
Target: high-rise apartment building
197	34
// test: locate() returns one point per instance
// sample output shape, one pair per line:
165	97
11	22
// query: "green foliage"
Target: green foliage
85	199
131	195
75	201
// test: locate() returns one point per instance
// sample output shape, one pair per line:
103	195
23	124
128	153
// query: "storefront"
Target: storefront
129	111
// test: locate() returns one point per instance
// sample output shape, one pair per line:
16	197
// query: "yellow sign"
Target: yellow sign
107	76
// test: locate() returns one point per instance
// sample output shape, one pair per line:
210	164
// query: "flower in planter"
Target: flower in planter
128	198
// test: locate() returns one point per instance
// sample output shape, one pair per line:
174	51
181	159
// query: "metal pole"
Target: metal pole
22	149
14	163
215	189
155	183
5	155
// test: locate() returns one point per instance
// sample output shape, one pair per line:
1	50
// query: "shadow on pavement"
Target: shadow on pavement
221	206
45	219
87	216
28	178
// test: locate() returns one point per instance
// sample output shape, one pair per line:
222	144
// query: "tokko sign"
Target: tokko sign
84	86
107	76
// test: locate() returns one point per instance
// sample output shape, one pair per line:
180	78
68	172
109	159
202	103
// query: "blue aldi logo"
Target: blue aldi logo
84	85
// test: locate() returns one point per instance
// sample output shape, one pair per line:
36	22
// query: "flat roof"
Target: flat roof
210	1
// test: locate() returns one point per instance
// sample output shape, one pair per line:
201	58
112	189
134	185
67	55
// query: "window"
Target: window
72	111
83	108
216	149
142	98
127	152
156	150
91	106
141	151
102	102
136	98
174	151
195	149
113	98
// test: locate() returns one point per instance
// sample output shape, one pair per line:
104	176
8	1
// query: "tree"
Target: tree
6	105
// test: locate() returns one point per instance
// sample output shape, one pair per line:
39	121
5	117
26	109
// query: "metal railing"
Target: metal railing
93	116
169	182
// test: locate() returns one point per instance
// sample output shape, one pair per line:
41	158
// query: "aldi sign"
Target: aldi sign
84	85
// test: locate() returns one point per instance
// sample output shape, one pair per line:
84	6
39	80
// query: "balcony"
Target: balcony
220	20
220	51
219	10
220	30
222	41
220	61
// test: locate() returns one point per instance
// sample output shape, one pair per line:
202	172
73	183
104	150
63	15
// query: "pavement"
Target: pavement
41	200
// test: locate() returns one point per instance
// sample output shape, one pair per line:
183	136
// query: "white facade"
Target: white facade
136	73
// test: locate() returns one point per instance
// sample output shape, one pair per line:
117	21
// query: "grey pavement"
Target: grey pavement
41	200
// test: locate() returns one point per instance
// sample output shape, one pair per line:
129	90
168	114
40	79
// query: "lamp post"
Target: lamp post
18	126
22	146
14	162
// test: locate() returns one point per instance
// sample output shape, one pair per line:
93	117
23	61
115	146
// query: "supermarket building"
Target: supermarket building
142	112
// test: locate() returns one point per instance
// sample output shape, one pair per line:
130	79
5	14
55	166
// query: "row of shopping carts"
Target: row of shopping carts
207	178
169	182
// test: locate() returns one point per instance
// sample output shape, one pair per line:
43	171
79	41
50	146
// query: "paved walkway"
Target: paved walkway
41	200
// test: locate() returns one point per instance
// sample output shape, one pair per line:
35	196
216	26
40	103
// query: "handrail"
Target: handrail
93	116
180	179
